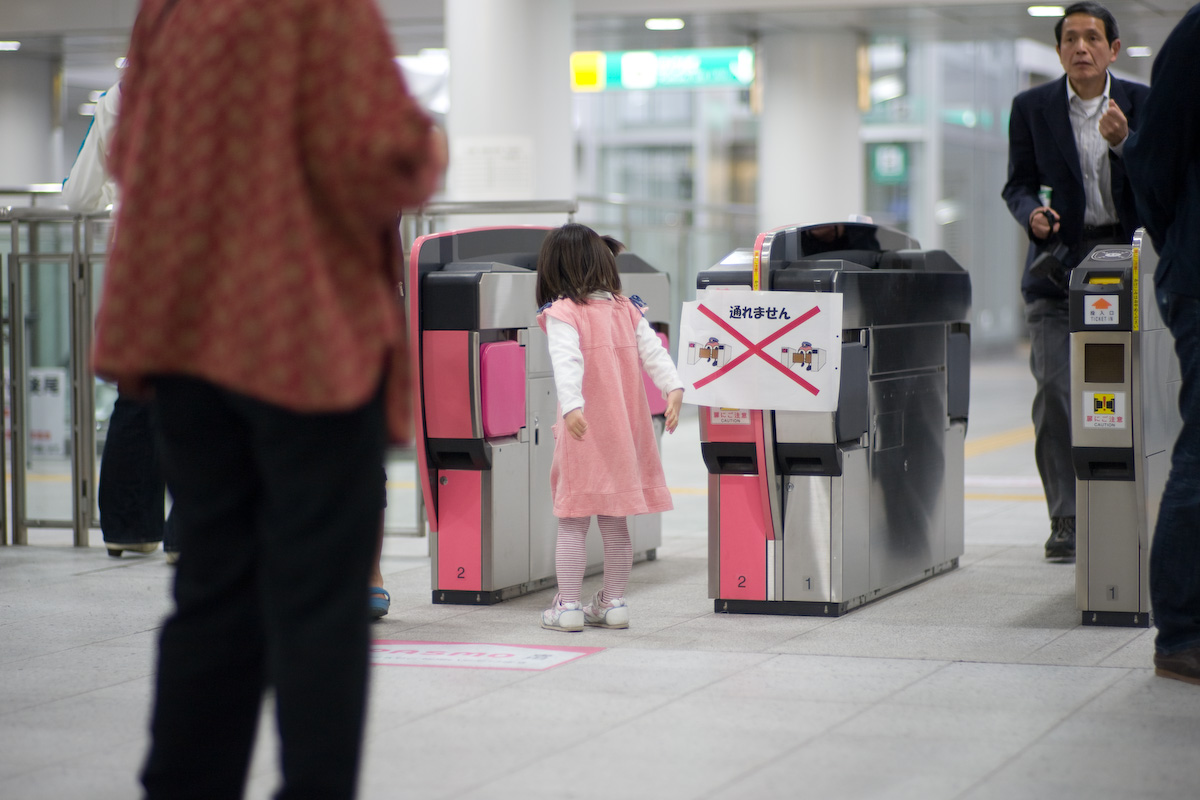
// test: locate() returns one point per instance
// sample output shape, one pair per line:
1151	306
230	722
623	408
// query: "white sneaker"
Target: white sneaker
613	614
563	617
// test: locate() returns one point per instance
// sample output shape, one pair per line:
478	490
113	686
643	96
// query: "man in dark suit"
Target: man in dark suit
1164	159
1067	185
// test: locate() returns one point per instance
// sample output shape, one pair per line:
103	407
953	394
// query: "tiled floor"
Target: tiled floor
977	684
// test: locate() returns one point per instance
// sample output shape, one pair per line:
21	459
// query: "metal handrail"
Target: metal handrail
423	218
623	200
447	207
42	214
31	191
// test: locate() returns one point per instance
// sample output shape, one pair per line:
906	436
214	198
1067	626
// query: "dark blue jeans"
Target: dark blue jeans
277	514
1175	551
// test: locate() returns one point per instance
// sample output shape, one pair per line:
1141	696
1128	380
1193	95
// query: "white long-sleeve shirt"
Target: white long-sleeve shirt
89	187
567	359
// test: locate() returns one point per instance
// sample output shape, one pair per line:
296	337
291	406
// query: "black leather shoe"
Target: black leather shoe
1183	666
1061	544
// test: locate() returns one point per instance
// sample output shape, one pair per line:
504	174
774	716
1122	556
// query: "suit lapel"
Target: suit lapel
1058	120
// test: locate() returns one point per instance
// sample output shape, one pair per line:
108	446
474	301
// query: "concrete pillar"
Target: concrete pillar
30	119
810	161
509	125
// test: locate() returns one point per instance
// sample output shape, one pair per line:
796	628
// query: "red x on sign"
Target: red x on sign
757	349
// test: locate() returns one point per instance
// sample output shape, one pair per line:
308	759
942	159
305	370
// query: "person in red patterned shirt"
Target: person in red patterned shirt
262	154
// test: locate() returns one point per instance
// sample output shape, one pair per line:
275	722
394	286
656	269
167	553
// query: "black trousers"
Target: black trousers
1048	321
278	514
131	484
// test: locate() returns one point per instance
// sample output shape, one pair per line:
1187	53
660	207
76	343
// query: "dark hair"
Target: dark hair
1092	10
574	262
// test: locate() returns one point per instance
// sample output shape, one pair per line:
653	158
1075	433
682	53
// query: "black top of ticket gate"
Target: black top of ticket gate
860	243
1104	274
515	246
450	267
883	275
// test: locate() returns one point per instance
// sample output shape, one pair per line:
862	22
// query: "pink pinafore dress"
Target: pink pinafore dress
615	470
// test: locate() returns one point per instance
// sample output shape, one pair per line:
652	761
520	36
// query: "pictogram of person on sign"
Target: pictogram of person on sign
713	351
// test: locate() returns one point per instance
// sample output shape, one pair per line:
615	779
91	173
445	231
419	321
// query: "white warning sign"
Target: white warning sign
762	350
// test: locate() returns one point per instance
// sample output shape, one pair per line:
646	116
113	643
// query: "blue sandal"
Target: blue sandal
377	605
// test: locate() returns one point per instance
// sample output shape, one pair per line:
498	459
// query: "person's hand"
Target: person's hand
674	401
1039	222
576	424
1113	125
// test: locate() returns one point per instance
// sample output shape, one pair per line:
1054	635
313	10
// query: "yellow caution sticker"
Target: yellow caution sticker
1136	308
1104	410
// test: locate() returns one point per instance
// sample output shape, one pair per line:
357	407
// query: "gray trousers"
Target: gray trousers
1050	362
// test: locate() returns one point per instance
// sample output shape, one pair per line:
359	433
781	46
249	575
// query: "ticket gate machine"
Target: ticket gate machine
1124	421
818	513
485	406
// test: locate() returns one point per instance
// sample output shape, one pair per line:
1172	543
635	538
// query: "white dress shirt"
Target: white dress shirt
1093	154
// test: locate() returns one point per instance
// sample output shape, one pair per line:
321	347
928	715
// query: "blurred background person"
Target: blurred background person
131	488
1164	160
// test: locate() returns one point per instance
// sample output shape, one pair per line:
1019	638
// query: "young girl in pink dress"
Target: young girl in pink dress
605	463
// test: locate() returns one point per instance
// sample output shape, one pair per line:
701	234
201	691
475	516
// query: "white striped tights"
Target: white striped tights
571	556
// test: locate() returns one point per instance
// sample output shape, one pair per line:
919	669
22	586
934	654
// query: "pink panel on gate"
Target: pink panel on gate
446	384
502	388
658	403
460	530
743	542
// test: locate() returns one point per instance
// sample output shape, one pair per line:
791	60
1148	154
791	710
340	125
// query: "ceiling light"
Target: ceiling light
1045	11
17	45
1139	52
664	24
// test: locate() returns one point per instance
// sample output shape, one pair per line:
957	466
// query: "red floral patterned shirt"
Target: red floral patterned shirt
263	152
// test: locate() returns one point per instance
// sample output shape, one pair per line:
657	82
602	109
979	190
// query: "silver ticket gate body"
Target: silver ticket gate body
486	404
1124	421
868	499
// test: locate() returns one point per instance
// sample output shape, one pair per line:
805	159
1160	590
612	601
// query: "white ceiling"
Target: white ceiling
91	34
